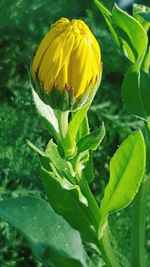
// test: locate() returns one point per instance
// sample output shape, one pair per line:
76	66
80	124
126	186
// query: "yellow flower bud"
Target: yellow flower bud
68	64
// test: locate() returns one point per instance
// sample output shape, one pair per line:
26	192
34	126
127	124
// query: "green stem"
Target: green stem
63	122
66	139
104	244
138	226
92	204
107	251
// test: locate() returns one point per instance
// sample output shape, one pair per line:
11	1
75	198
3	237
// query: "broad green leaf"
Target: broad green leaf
92	140
108	18
68	201
52	240
127	168
136	92
133	36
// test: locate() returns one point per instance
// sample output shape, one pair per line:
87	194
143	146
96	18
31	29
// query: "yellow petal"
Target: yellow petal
49	37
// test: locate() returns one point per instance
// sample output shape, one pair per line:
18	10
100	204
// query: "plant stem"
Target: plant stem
63	122
107	251
138	226
66	139
104	243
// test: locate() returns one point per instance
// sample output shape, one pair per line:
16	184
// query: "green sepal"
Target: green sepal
92	140
127	168
65	100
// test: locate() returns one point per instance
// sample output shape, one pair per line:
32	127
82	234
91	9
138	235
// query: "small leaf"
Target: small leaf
51	155
60	164
76	121
133	36
68	201
52	240
136	91
83	129
127	168
108	18
47	115
35	148
92	140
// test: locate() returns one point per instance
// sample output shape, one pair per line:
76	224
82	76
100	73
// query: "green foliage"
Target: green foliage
57	175
92	140
127	32
136	91
22	26
127	168
55	244
133	36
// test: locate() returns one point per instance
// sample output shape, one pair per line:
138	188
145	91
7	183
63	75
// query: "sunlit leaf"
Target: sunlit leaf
133	36
127	168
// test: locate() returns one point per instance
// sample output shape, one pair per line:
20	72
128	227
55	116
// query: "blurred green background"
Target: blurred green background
23	24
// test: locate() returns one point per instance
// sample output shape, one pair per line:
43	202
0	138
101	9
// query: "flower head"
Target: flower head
68	60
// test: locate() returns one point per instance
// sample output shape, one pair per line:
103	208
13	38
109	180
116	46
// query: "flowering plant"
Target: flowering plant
65	75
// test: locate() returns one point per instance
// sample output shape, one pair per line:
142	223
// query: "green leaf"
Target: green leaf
88	171
136	91
133	36
76	121
68	201
83	129
92	140
127	168
52	240
141	13
145	16
47	115
51	154
64	168
108	18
